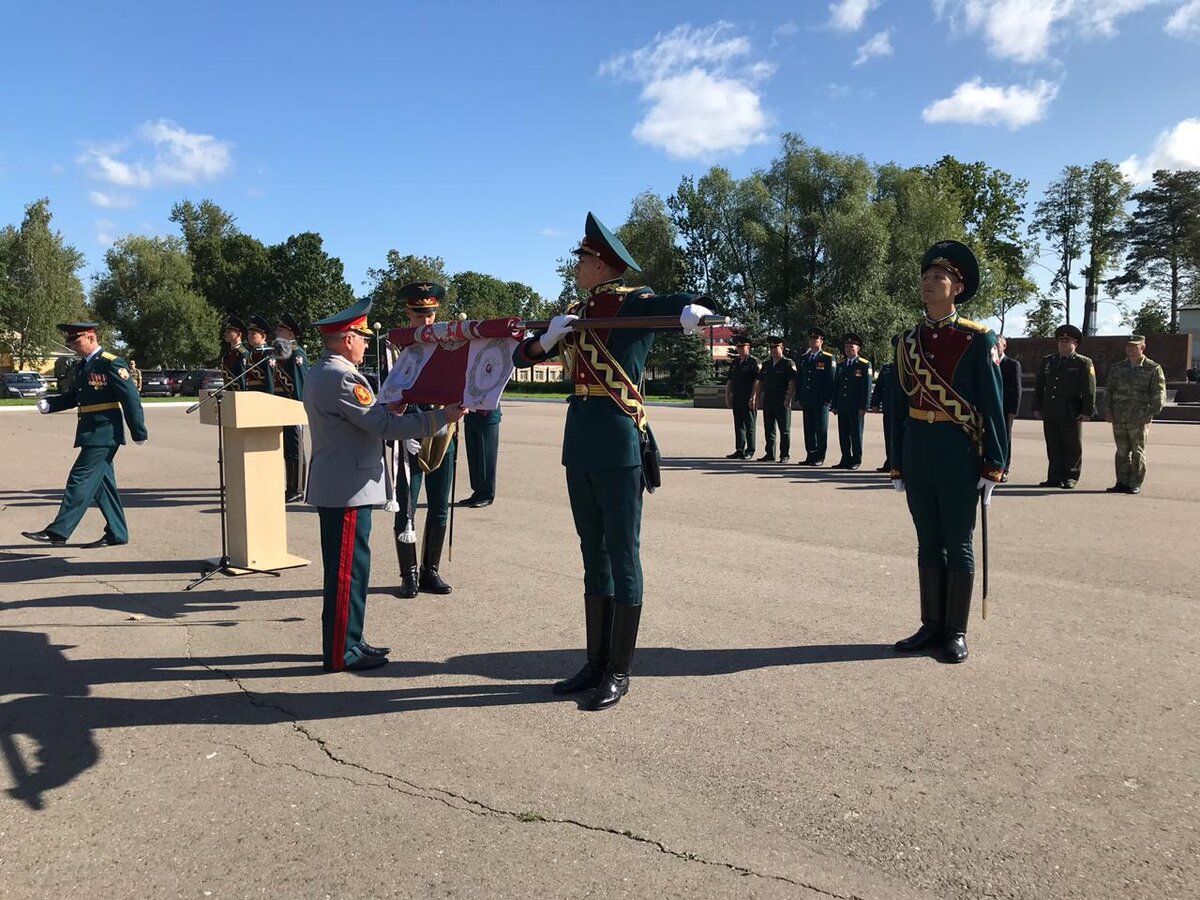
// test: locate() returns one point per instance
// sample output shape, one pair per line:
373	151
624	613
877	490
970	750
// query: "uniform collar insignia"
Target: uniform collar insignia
607	287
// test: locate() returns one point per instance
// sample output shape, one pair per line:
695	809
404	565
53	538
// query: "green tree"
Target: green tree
1043	317
41	287
1152	317
1107	232
305	281
231	270
1060	217
386	282
480	296
147	294
1164	240
650	235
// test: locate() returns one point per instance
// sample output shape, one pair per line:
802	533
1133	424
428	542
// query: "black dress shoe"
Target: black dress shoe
1133	490
478	503
430	582
105	540
1049	483
884	468
296	497
368	650
784	459
1067	485
737	454
854	466
44	537
749	454
363	664
954	647
1118	488
766	457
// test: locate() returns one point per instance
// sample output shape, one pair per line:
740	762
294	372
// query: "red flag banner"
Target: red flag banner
466	362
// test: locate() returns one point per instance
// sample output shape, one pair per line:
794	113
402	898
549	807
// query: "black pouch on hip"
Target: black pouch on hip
651	460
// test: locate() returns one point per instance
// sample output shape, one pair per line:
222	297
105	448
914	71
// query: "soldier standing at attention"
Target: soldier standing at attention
773	393
136	374
1135	392
482	431
348	480
603	445
1064	396
739	396
949	445
852	396
1010	376
102	391
260	377
816	377
883	400
233	360
289	383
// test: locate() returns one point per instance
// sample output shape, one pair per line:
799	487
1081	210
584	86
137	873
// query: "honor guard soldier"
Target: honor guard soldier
739	396
883	400
106	400
773	395
605	443
431	462
816	376
289	383
851	397
348	429
481	429
260	360
948	445
1064	396
1135	392
233	360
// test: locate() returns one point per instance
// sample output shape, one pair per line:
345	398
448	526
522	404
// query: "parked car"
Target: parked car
24	384
209	380
156	384
175	377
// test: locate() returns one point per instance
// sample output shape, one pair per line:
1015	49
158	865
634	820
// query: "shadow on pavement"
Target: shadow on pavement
55	565
161	604
861	479
132	498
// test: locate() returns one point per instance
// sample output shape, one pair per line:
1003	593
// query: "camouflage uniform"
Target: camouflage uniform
1135	395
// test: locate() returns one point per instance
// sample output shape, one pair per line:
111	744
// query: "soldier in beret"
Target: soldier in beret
348	429
947	442
289	383
606	440
103	392
852	396
260	357
233	360
1064	396
815	377
773	395
1135	392
739	397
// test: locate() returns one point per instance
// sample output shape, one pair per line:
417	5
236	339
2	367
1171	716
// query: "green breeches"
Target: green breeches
941	470
607	506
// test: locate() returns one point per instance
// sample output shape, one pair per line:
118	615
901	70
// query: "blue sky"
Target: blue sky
483	132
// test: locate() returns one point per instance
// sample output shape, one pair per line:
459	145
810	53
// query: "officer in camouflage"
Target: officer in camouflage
103	392
1064	397
1135	392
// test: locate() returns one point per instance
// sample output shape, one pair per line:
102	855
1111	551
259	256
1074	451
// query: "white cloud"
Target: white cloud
787	29
976	103
179	157
879	45
1185	21
1175	148
701	89
104	227
849	15
551	233
57	169
111	201
1024	30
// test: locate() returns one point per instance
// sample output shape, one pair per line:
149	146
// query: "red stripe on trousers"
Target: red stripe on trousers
345	567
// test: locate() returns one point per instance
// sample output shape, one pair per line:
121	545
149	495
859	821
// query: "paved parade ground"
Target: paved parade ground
157	743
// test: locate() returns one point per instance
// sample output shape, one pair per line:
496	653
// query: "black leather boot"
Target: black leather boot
959	585
933	607
431	554
614	683
598	618
406	556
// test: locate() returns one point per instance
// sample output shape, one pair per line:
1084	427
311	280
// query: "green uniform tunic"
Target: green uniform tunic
1135	394
103	392
288	381
852	396
778	378
946	369
816	375
1064	390
740	383
883	398
601	444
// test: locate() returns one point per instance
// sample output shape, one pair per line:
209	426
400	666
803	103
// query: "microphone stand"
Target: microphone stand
224	565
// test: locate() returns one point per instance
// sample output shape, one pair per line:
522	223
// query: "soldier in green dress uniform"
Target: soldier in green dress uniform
773	395
430	463
348	430
1135	392
816	377
103	393
481	429
851	397
948	440
883	400
233	360
606	430
1064	396
289	382
260	358
739	394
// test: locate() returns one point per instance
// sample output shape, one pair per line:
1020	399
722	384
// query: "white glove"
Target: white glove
43	406
691	315
142	441
987	486
412	446
898	485
559	326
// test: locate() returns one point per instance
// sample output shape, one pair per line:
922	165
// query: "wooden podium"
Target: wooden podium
253	423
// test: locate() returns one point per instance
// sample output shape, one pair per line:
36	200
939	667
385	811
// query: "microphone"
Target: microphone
282	348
